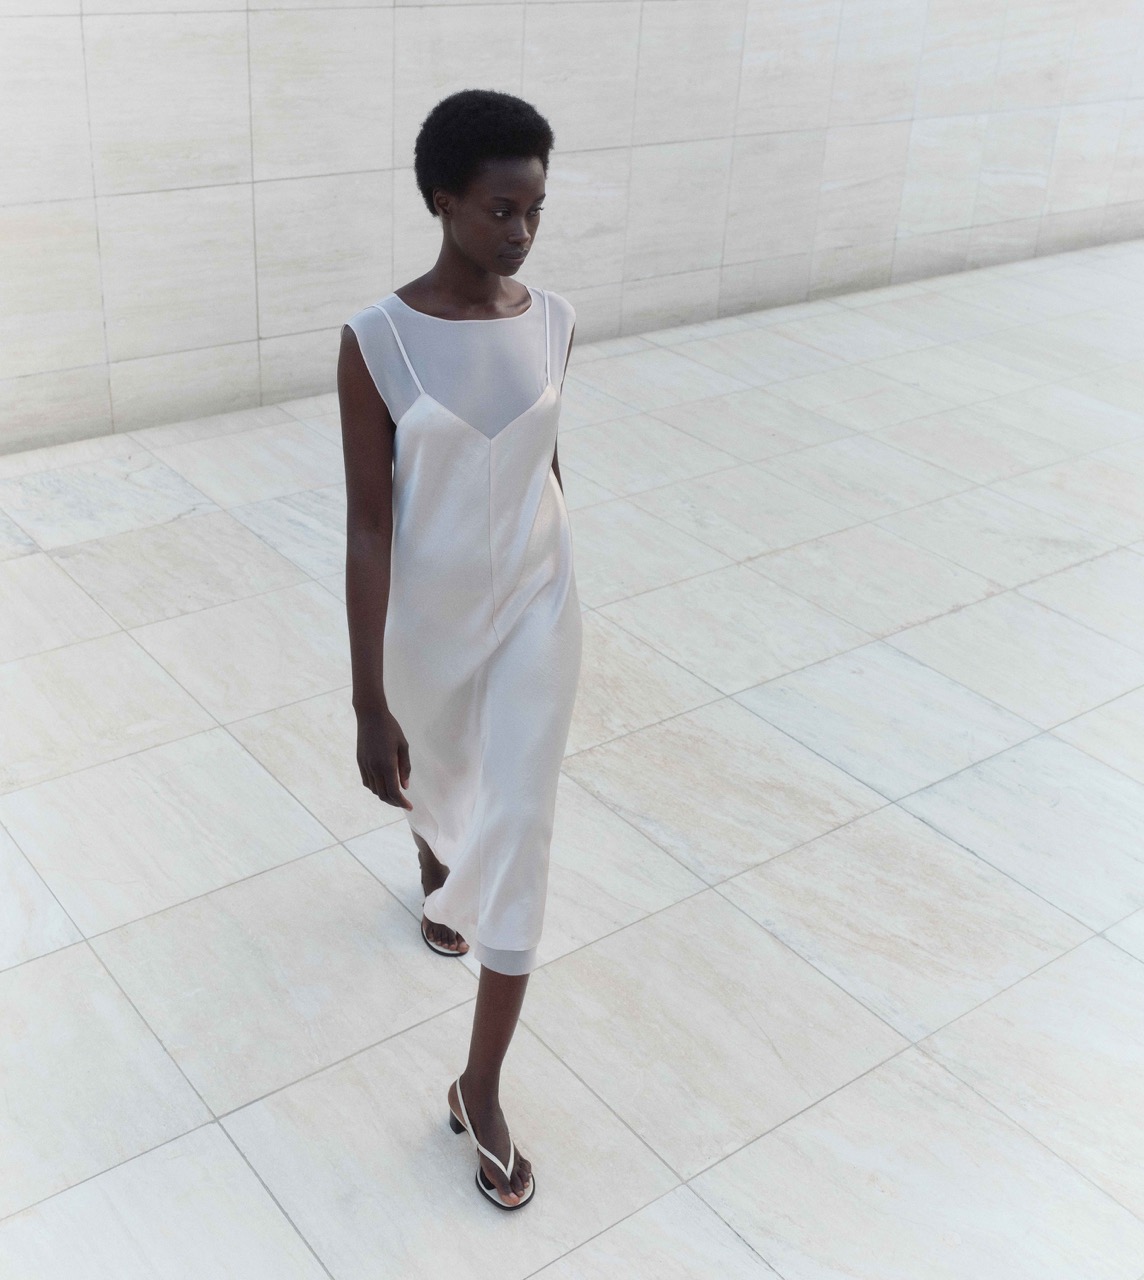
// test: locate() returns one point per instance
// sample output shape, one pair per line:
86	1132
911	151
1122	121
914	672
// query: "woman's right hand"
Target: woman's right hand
383	756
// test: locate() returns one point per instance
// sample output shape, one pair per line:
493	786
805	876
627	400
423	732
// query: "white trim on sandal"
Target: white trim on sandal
487	1188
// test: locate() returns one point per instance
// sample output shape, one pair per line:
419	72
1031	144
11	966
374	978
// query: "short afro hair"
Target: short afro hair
472	126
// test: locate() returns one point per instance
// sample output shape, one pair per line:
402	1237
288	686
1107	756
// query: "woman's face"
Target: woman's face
499	215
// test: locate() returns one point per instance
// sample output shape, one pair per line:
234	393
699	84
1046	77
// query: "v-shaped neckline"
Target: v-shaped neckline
424	395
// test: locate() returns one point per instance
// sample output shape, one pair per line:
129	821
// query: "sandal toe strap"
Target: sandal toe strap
484	1150
511	1157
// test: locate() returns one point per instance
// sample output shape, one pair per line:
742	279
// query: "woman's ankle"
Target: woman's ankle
480	1091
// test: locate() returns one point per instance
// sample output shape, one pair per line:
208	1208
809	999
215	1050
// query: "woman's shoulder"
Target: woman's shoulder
563	308
366	320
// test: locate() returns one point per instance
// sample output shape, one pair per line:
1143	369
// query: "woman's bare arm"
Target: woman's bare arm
367	447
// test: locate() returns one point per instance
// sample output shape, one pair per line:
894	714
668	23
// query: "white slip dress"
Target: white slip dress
482	646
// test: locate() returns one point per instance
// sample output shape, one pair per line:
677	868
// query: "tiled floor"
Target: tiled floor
843	970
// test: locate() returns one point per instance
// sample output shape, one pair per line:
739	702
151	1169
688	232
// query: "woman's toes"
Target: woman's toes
520	1179
504	1188
444	937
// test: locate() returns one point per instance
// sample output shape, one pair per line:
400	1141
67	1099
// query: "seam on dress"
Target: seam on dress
492	567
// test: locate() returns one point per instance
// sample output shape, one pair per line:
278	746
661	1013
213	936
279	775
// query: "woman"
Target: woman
464	619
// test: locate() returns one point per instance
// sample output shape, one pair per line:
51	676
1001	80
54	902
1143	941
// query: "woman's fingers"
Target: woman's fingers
393	788
383	759
371	779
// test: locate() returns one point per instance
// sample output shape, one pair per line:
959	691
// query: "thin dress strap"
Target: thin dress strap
401	345
547	342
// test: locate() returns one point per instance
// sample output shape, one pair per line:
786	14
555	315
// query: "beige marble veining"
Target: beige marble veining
582	403
28	462
14	541
937	316
1112	732
966	442
265	981
1025	656
735	1032
655	377
733	628
1105	593
865	476
1122	386
308	527
251	466
159	827
215	424
858	397
854	335
192	1197
621	550
627	684
678	1236
1128	934
720	789
752	425
310	746
744	511
755	357
59	719
94	499
86	1083
953	372
909	1166
1010	542
579	491
884	717
874	579
639	452
167	570
1061	1053
44	608
255	654
1057	820
1088	492
32	922
1076	414
905	920
1129	456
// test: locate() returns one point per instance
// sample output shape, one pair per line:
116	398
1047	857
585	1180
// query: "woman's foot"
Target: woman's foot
433	875
491	1131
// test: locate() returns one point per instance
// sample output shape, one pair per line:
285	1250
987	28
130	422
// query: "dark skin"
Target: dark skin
499	213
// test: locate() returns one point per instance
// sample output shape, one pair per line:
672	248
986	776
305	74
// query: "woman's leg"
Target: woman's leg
499	1000
433	875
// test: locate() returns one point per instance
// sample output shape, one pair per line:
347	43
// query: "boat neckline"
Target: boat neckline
478	319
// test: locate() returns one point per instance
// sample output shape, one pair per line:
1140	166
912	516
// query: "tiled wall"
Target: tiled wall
193	196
